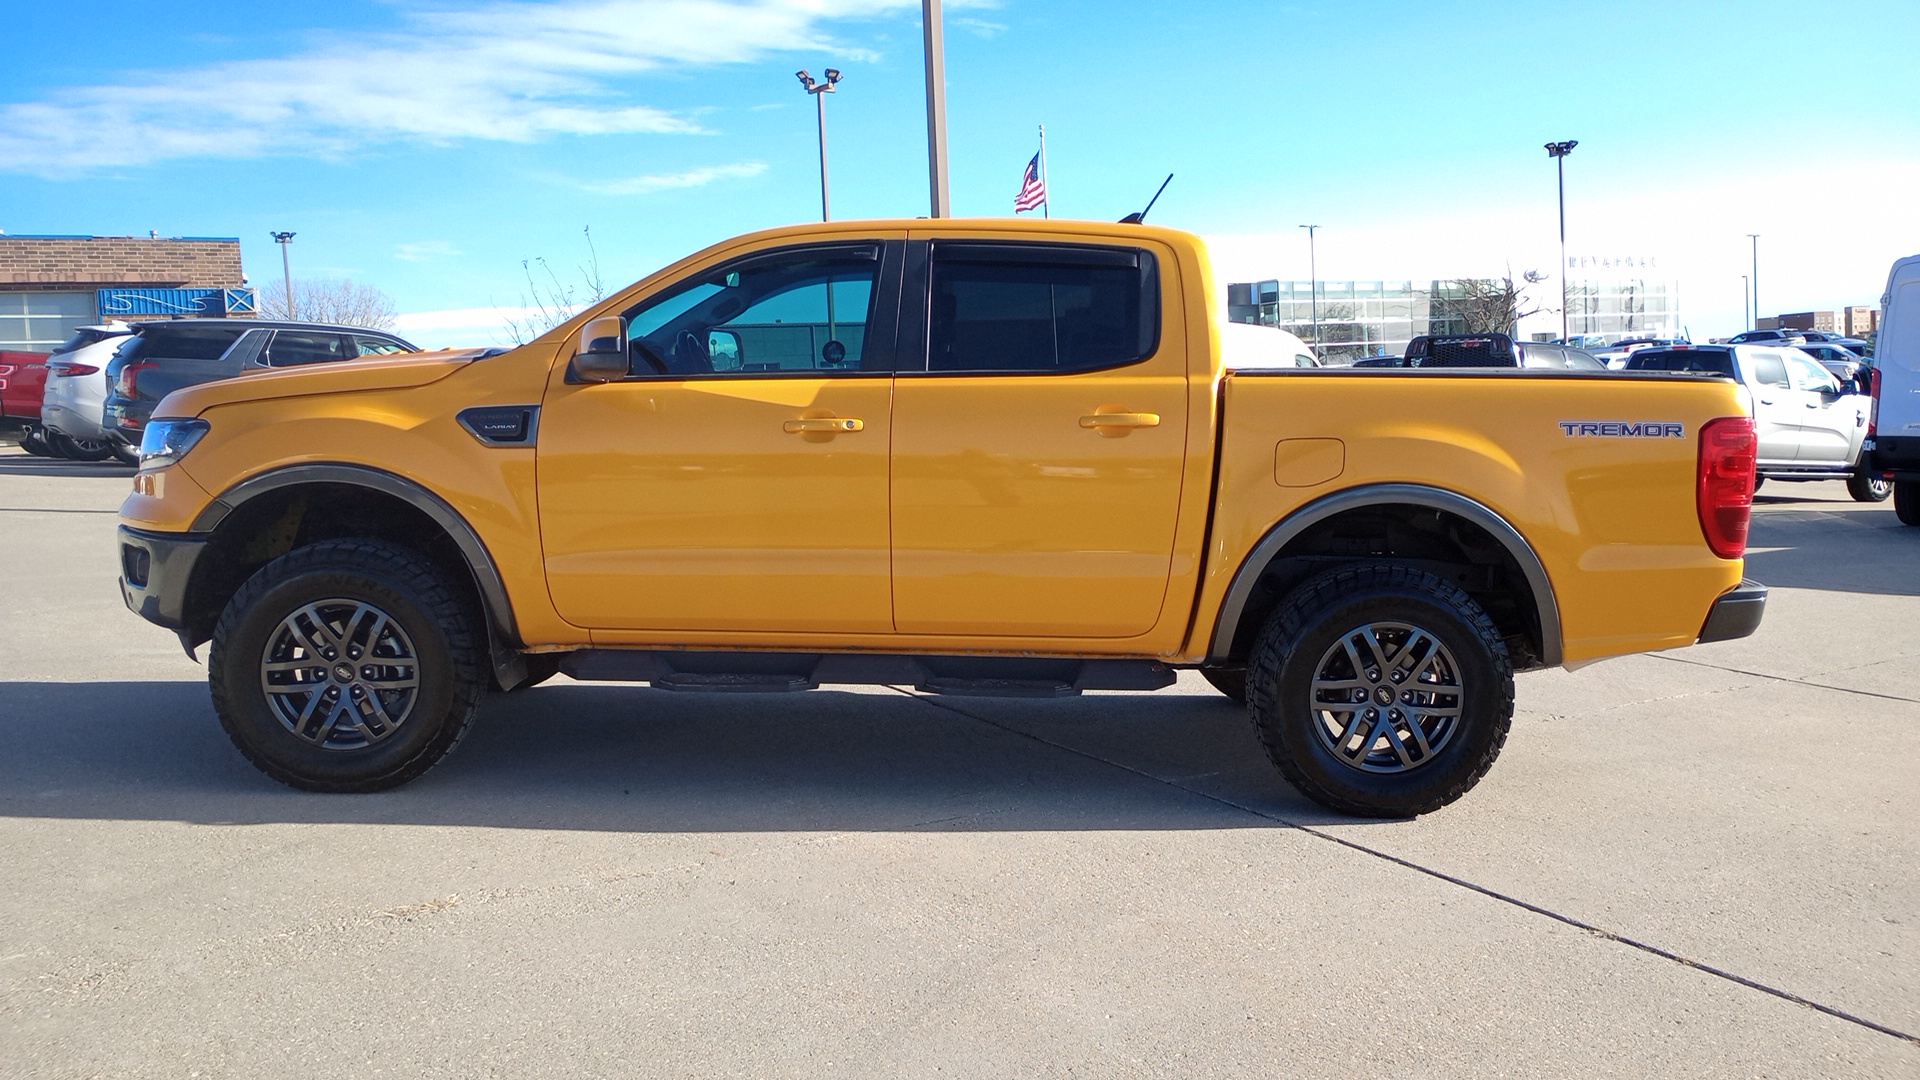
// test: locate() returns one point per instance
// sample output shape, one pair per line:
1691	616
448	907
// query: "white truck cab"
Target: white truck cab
1895	447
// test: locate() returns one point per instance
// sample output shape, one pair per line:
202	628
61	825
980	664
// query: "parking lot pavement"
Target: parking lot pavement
1695	864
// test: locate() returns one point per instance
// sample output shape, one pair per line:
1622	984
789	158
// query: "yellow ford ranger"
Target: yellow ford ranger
968	456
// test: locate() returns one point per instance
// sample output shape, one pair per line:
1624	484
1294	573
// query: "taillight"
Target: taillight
1873	395
128	384
1728	451
65	369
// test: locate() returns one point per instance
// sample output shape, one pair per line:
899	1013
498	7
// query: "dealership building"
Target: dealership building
51	284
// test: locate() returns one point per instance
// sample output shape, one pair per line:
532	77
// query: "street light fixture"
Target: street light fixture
1313	272
1558	151
819	91
286	267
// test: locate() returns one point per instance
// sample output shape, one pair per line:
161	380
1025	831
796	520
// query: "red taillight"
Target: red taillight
128	385
1728	449
65	369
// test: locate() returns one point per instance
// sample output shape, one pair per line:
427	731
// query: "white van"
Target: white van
1896	354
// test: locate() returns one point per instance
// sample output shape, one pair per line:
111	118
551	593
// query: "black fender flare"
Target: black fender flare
502	630
1547	607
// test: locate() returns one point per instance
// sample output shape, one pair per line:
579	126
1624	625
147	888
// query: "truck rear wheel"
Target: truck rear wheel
349	665
1381	690
1869	489
1906	501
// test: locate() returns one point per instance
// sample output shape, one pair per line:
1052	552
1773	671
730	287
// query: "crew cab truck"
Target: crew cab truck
968	456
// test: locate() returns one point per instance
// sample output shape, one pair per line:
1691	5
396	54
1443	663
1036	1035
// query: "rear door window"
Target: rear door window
375	346
183	343
294	348
1040	308
1770	369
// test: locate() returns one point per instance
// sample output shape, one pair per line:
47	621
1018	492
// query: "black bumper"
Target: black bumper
155	569
1737	613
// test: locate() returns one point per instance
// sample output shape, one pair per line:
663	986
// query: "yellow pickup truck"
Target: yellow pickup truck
968	456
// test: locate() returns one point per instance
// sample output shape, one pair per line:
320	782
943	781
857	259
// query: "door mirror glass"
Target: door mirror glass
725	350
601	355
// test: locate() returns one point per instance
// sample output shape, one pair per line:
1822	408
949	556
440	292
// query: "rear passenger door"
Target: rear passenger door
1040	421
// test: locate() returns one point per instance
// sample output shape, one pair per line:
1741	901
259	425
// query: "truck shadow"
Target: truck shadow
1854	550
617	758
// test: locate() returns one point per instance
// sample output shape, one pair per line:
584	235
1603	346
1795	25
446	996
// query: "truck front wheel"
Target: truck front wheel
1381	690
1906	501
349	665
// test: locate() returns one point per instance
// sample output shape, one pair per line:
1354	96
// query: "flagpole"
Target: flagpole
1046	206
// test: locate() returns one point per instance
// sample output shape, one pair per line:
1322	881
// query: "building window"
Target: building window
38	321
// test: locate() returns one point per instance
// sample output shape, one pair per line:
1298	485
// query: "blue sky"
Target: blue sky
427	148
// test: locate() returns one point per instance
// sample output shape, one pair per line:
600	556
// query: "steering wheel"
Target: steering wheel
691	352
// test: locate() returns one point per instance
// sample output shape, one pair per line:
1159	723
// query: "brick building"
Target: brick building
51	284
1857	321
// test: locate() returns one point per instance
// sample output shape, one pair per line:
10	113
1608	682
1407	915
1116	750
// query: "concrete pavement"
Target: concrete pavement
1695	864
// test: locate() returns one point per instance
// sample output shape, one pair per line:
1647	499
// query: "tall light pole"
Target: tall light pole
936	52
1558	151
1755	237
1746	315
286	266
820	92
1313	271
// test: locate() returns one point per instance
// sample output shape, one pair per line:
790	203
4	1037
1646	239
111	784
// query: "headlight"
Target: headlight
167	441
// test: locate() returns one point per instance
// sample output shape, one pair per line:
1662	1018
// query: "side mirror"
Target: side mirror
601	355
725	351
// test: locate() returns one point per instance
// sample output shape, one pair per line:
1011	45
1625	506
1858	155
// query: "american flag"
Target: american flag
1033	190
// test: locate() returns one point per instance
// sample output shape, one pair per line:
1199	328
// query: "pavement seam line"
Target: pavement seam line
1785	679
1654	950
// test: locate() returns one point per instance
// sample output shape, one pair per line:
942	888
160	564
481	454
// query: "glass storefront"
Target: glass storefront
38	321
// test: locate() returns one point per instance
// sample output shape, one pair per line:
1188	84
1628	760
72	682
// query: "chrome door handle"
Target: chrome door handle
823	424
1121	419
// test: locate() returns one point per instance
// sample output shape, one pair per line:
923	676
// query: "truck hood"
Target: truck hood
387	373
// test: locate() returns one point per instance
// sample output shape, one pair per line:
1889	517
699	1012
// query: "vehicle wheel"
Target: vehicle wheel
540	668
35	443
1381	690
79	449
350	665
1229	681
1906	501
126	455
1869	489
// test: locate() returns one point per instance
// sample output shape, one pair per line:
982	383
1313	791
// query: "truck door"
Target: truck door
1776	405
1039	440
1832	424
736	480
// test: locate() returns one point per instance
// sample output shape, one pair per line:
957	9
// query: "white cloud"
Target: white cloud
424	251
514	71
647	185
981	27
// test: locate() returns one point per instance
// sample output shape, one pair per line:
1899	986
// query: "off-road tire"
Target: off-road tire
439	625
1869	489
1229	681
1906	501
1300	636
126	455
74	450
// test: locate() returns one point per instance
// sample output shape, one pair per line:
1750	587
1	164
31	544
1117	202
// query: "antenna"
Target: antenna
1139	218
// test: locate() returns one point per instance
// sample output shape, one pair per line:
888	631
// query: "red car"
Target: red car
23	382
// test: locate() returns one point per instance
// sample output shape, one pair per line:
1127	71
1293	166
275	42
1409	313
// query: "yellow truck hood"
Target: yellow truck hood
387	373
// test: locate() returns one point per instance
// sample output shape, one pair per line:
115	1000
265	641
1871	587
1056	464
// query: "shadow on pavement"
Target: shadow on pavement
23	465
599	757
1854	550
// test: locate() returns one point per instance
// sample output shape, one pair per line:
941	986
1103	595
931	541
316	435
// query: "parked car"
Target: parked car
73	411
1896	437
1846	365
1810	428
23	379
1615	355
1488	350
1246	346
161	357
1759	337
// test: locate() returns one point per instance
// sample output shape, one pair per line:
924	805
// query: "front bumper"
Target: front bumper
155	570
1736	614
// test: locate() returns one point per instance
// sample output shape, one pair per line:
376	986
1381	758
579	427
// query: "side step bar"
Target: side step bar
781	673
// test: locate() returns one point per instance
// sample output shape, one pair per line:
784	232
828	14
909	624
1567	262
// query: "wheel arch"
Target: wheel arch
265	515
1296	545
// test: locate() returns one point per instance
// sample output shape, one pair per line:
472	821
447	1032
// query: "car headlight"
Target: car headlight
167	441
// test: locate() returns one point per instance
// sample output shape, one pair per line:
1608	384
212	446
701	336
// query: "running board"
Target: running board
781	673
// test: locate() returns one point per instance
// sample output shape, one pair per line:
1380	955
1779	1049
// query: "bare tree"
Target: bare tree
341	301
548	301
1481	305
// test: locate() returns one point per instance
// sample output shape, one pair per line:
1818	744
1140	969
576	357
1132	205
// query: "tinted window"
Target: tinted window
797	310
1045	308
292	348
1697	361
1770	370
182	342
373	346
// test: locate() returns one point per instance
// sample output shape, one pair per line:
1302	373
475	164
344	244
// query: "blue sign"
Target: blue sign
177	302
